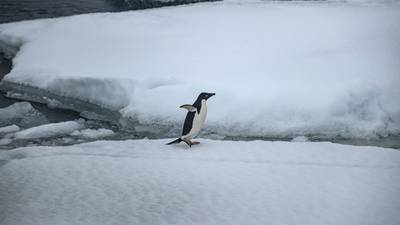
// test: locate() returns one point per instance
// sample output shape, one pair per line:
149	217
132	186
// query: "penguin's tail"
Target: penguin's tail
175	141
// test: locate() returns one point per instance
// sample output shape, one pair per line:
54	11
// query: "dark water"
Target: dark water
17	10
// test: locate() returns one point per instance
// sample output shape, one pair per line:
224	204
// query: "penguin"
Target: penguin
194	120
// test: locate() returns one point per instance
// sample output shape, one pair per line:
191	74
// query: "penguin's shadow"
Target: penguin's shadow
183	147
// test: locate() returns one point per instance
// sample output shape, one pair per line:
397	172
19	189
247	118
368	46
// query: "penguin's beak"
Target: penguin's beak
210	95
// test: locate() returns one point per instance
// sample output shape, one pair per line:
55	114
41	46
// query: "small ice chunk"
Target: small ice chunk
5	141
67	140
49	130
9	129
300	139
21	114
93	133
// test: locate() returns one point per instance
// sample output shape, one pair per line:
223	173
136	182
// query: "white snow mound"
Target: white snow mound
278	68
216	182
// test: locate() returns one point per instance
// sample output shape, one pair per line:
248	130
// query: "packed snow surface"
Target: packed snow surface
50	130
278	68
216	182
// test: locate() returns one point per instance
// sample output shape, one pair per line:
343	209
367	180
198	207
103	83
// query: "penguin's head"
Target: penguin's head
205	95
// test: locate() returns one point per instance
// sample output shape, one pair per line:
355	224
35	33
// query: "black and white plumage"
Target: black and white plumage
194	120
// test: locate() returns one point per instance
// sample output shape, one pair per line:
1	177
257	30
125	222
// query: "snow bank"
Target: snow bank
278	68
49	130
216	182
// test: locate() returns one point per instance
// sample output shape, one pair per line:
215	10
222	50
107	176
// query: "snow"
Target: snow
9	129
278	68
50	130
93	133
216	182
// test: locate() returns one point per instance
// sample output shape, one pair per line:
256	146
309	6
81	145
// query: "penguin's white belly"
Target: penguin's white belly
198	121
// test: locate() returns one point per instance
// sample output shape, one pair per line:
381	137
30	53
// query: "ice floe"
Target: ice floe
9	129
50	130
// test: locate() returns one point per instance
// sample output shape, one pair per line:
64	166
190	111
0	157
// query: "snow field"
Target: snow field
216	182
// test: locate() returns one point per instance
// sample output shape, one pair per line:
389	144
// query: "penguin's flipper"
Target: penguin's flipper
190	108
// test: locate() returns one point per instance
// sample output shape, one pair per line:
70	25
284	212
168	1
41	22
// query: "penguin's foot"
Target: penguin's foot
188	142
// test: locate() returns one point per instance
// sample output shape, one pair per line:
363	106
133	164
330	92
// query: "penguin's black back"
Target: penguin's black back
188	124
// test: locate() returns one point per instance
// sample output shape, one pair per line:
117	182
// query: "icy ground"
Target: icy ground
279	69
216	182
